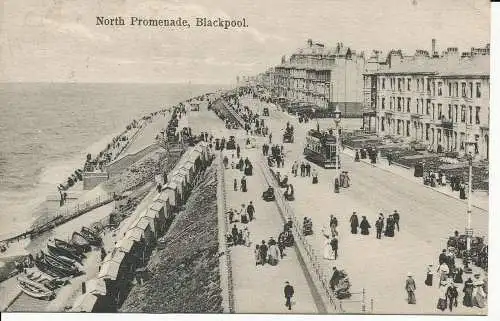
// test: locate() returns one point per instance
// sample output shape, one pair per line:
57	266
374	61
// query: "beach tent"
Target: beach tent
84	303
157	212
186	172
115	255
173	194
109	270
125	245
163	201
181	187
135	234
96	286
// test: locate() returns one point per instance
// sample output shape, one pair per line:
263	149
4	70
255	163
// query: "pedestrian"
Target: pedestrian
302	169
411	287
364	226
288	295
238	150
243	214
314	176
256	253
395	216
235	185
478	295
327	248
379	225
274	253
333	225
243	184
250	211
444	270
430	276
442	257
234	233
468	290
335	246
308	169
452	295
354	223
263	252
246	236
442	299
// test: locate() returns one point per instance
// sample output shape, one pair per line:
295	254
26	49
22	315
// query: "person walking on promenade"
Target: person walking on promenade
364	226
452	295
478	295
333	225
444	270
243	184
411	287
263	252
379	225
468	290
302	169
288	290
270	138
246	236
430	276
256	253
442	257
354	223
442	303
335	246
327	248
238	151
243	214
314	176
234	233
395	216
295	167
250	211
308	169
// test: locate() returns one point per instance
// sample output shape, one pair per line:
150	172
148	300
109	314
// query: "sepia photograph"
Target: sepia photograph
321	157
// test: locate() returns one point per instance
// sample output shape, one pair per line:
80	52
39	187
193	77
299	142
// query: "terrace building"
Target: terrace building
321	77
441	101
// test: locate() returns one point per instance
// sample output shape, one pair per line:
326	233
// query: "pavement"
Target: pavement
427	219
259	289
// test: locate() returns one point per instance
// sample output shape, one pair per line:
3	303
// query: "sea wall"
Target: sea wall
92	179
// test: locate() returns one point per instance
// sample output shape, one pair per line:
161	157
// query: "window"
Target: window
476	145
470	114
409	84
478	90
399	85
408	105
382	123
433	88
418	84
433	112
418	105
399	103
477	115
407	128
449	113
428	109
470	90
440	111
456	113
390	103
399	128
426	131
440	89
456	89
383	83
383	102
449	89
462	113
464	90
428	86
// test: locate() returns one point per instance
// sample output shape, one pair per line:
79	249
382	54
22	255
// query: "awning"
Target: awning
84	303
115	255
157	206
125	245
109	270
96	286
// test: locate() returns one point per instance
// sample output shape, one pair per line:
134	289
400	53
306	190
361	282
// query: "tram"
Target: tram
321	148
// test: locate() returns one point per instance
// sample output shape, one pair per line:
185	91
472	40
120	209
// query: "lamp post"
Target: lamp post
337	118
468	229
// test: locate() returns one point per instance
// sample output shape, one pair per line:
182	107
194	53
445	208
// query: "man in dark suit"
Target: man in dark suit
335	245
395	216
288	294
250	210
379	225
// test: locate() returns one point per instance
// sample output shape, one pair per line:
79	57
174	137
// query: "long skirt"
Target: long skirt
479	299
244	219
354	229
315	180
411	297
467	301
442	304
428	280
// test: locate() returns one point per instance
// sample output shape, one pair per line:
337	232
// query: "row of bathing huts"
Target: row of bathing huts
126	263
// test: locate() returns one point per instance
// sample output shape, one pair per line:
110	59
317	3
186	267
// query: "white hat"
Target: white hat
410	274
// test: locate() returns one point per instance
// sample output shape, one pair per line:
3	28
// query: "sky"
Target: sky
58	40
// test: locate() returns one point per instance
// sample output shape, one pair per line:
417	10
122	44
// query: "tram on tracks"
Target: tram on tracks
321	148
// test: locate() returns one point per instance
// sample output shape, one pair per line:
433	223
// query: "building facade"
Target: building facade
321	77
441	101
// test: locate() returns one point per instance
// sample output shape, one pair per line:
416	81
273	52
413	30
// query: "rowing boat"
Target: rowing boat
34	289
53	250
91	236
79	241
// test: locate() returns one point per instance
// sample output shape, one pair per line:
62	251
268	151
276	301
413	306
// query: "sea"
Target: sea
46	130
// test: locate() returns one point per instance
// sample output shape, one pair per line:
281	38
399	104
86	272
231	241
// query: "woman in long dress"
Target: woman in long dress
478	295
274	254
443	300
430	276
327	248
468	289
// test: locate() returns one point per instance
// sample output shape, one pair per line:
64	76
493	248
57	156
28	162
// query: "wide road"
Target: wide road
379	266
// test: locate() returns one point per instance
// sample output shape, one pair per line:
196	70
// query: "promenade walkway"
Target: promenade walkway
259	289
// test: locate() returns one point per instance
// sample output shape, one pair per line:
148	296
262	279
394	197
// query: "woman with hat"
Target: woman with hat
468	289
430	276
442	300
478	295
410	289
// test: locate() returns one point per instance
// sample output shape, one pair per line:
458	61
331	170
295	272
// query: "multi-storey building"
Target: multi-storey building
439	100
322	77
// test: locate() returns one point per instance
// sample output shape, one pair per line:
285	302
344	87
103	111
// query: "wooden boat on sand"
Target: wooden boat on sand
91	236
79	241
34	289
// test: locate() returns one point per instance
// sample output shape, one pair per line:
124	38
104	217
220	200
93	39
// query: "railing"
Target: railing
313	263
223	228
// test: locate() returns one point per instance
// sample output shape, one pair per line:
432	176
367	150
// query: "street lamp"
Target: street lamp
468	229
337	114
